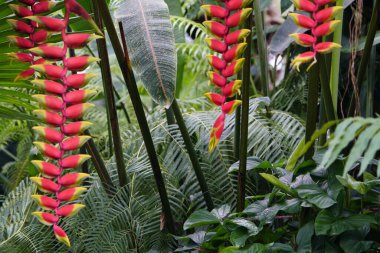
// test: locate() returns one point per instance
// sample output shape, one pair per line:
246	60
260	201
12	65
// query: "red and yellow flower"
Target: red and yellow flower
229	44
63	103
320	23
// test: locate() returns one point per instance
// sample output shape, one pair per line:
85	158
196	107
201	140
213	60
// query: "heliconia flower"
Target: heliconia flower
48	150
75	128
215	11
79	40
230	106
47	169
49	101
216	45
45	185
320	25
77	111
20	26
326	28
25	75
22	57
216	62
21	42
302	39
323	2
73	179
49	52
43	7
69	210
46	218
237	4
40	36
237	36
20	10
49	86
27	2
327	14
216	132
51	71
216	28
74	7
74	161
302	20
232	88
70	194
234	52
49	134
302	58
77	81
79	96
49	117
305	5
233	68
79	63
41	61
326	47
74	142
215	98
46	202
61	235
217	79
49	23
238	17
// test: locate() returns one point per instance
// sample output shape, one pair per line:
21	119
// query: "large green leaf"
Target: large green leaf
150	39
200	218
313	194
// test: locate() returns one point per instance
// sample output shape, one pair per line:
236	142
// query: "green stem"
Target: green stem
366	53
335	60
312	108
122	105
192	154
237	131
110	100
130	81
170	116
326	92
262	48
244	117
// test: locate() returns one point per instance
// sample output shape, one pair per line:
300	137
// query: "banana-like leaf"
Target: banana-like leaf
151	46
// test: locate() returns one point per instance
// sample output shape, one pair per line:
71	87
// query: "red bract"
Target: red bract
319	24
62	104
227	64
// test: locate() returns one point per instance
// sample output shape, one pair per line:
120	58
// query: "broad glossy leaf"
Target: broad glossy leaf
276	182
151	46
200	218
313	194
303	238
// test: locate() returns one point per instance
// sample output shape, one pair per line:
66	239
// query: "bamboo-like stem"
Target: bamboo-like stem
192	154
244	116
262	48
335	60
122	105
366	53
130	81
170	116
237	132
371	84
110	100
312	107
326	92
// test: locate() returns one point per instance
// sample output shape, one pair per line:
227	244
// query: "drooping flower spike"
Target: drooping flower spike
62	104
228	42
320	23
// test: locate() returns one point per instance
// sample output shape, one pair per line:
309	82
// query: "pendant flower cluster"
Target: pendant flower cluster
320	23
229	44
63	103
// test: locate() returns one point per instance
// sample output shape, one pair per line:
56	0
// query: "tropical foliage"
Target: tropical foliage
292	163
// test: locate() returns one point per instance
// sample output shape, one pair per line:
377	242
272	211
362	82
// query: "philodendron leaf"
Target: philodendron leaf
151	46
200	218
313	194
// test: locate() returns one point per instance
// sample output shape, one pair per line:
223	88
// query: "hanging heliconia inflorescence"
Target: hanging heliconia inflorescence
63	103
229	44
320	22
